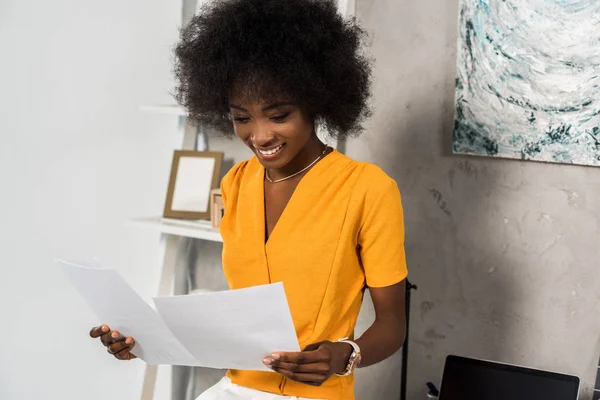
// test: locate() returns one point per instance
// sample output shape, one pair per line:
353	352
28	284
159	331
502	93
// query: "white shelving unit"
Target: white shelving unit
171	231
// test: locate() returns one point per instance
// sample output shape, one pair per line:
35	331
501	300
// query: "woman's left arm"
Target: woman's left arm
386	335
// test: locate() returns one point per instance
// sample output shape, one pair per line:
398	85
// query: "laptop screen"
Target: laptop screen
469	379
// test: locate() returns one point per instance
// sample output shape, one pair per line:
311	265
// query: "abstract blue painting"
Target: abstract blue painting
528	80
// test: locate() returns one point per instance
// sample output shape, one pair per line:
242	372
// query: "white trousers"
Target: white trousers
226	390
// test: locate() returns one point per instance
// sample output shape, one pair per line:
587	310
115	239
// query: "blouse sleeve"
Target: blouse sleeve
229	180
381	239
225	188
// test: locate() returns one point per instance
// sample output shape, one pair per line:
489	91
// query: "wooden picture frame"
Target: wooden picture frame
194	174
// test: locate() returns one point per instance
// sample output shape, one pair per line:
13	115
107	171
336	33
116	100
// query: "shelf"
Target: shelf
173	109
187	228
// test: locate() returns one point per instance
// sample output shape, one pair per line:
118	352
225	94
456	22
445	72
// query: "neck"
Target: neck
309	153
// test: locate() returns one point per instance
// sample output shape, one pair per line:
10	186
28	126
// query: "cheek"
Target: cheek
241	132
296	131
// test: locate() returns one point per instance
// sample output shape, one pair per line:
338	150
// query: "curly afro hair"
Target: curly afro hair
264	50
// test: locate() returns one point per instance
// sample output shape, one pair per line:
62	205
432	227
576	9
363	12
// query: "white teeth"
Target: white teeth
270	152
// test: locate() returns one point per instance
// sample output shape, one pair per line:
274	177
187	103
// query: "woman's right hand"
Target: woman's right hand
116	344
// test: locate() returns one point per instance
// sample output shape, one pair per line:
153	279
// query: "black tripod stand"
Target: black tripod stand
409	287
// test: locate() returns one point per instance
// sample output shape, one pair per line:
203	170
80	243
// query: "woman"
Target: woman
298	212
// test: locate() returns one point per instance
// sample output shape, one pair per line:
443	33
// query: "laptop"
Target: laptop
471	379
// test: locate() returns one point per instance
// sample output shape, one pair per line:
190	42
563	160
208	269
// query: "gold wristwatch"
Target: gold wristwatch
354	360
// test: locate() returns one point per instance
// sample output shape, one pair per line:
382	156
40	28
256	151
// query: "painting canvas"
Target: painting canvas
528	80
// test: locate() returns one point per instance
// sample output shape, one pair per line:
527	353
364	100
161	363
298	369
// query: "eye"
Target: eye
241	120
280	117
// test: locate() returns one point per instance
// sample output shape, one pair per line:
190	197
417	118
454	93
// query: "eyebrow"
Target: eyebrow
267	108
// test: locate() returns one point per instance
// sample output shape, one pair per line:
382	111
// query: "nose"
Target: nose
262	135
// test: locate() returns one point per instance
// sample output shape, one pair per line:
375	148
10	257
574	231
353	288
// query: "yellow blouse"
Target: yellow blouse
342	230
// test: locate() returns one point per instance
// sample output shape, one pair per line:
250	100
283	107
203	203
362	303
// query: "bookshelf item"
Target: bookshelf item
194	174
217	207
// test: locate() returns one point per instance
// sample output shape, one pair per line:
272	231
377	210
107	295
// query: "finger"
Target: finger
98	331
111	337
321	368
303	357
307	378
121	345
126	353
106	339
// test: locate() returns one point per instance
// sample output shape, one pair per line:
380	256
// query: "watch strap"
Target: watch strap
354	359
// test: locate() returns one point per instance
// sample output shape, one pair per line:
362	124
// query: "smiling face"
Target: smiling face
280	133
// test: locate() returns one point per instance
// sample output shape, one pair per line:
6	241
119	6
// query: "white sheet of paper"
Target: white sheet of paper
117	305
193	184
232	329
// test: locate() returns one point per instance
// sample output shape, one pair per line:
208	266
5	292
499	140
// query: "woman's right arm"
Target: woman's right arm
116	344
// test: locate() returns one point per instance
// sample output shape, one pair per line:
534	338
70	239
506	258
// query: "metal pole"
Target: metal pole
409	287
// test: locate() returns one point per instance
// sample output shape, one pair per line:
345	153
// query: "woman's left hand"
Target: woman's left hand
314	365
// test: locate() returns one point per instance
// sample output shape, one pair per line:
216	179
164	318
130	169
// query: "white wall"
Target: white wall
77	160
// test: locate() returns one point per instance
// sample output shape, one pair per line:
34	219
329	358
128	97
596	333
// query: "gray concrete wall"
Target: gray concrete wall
505	253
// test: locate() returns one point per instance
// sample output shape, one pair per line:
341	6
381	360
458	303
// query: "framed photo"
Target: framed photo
194	174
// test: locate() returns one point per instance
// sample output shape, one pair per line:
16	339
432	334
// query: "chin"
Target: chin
279	164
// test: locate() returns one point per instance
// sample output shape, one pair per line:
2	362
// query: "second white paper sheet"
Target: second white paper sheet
233	329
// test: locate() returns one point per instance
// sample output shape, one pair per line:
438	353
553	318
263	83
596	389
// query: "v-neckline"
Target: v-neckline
291	201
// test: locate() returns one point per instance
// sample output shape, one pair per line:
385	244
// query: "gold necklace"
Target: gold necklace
296	173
